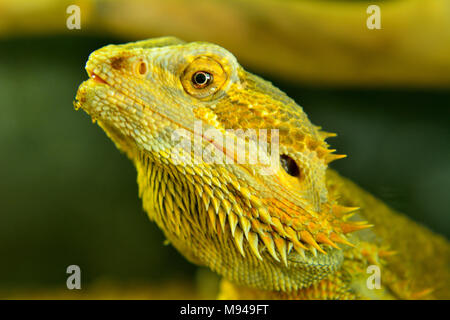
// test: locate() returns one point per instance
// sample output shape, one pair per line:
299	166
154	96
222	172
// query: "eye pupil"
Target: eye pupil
201	79
289	165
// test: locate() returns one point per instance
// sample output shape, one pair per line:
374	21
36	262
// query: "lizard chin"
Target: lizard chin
90	90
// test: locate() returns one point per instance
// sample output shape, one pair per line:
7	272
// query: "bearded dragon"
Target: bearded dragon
297	231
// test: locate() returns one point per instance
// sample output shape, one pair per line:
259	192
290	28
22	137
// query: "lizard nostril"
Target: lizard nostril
142	68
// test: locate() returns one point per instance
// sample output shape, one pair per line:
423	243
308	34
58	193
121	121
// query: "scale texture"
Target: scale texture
289	228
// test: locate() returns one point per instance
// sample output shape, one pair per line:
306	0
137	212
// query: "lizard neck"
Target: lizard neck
172	200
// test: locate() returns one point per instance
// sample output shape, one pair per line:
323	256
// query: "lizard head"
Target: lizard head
192	120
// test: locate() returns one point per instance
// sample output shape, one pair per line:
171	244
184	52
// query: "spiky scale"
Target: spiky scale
238	240
233	221
253	242
163	188
322	238
245	192
182	202
277	225
216	204
212	217
255	213
333	157
207	190
219	195
198	179
189	170
282	248
265	216
259	227
198	171
236	184
326	135
289	248
255	201
177	215
199	189
161	201
159	175
215	182
206	200
169	204
305	236
222	218
238	210
245	225
340	239
341	211
207	180
294	238
355	226
170	187
164	154
386	253
270	246
226	205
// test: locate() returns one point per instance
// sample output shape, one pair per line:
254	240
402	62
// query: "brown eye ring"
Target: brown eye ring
202	79
289	165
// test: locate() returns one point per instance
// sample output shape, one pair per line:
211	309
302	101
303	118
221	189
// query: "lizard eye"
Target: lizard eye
203	77
289	165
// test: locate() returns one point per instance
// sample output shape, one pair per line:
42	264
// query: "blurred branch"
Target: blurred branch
310	41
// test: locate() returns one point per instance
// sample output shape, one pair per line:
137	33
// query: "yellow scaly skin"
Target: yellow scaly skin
269	235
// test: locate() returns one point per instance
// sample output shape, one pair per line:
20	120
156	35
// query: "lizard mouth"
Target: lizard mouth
95	77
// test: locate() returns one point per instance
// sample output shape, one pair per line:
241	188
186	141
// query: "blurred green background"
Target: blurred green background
69	197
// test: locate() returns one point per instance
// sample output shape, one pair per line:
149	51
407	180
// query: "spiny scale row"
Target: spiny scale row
278	239
259	226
